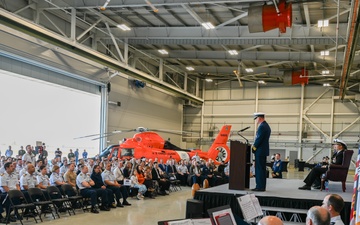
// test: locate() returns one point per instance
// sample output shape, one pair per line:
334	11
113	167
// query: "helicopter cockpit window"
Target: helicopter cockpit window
127	152
115	152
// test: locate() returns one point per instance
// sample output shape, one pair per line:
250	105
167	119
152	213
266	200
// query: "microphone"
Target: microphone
244	129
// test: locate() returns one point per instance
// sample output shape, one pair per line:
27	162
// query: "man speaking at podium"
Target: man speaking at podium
260	149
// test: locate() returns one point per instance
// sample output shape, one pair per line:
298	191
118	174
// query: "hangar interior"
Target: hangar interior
204	77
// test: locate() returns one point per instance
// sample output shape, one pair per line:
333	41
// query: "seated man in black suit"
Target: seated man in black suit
164	184
315	174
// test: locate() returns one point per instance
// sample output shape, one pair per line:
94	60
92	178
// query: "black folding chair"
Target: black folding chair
59	201
18	203
73	196
39	200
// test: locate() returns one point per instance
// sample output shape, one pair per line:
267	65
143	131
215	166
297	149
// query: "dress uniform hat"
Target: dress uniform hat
259	114
338	141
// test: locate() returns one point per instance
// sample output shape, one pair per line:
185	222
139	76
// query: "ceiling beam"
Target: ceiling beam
245	14
136	3
244	55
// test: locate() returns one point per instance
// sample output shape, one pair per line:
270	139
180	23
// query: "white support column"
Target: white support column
126	52
161	70
103	117
36	12
301	120
133	62
73	25
331	120
256	106
202	108
197	87
185	81
94	43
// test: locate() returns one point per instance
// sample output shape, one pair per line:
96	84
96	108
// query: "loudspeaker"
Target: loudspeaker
194	208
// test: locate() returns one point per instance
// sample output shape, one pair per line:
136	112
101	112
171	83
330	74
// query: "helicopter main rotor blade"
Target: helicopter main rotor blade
173	131
91	135
113	133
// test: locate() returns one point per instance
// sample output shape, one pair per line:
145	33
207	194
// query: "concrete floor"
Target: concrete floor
147	211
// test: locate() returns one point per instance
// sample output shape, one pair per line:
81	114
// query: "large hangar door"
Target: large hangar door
35	110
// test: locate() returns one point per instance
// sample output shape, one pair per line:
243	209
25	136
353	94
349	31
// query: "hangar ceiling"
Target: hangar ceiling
90	28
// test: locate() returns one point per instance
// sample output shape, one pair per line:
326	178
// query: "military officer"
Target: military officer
84	182
42	178
111	183
261	150
28	180
8	181
55	178
277	167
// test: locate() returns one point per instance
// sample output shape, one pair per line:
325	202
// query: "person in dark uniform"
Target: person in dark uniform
277	167
261	150
315	174
100	186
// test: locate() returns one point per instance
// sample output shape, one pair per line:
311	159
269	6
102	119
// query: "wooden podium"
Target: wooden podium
239	166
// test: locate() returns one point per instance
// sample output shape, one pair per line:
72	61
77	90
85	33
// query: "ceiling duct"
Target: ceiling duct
269	17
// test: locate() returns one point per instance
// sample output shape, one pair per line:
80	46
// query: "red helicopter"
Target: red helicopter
151	145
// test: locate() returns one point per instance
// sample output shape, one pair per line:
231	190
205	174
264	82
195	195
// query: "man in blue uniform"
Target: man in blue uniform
260	149
277	167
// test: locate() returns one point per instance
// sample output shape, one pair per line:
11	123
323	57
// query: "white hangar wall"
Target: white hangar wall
143	107
324	117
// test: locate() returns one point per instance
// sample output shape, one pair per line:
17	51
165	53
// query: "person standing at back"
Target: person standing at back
261	150
76	153
84	154
9	152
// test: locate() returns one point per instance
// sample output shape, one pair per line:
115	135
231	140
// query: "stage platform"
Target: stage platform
282	193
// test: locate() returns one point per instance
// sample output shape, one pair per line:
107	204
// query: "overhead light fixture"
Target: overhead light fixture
261	82
325	72
208	25
163	51
123	27
190	68
326	85
208	80
323	53
323	23
249	70
233	52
